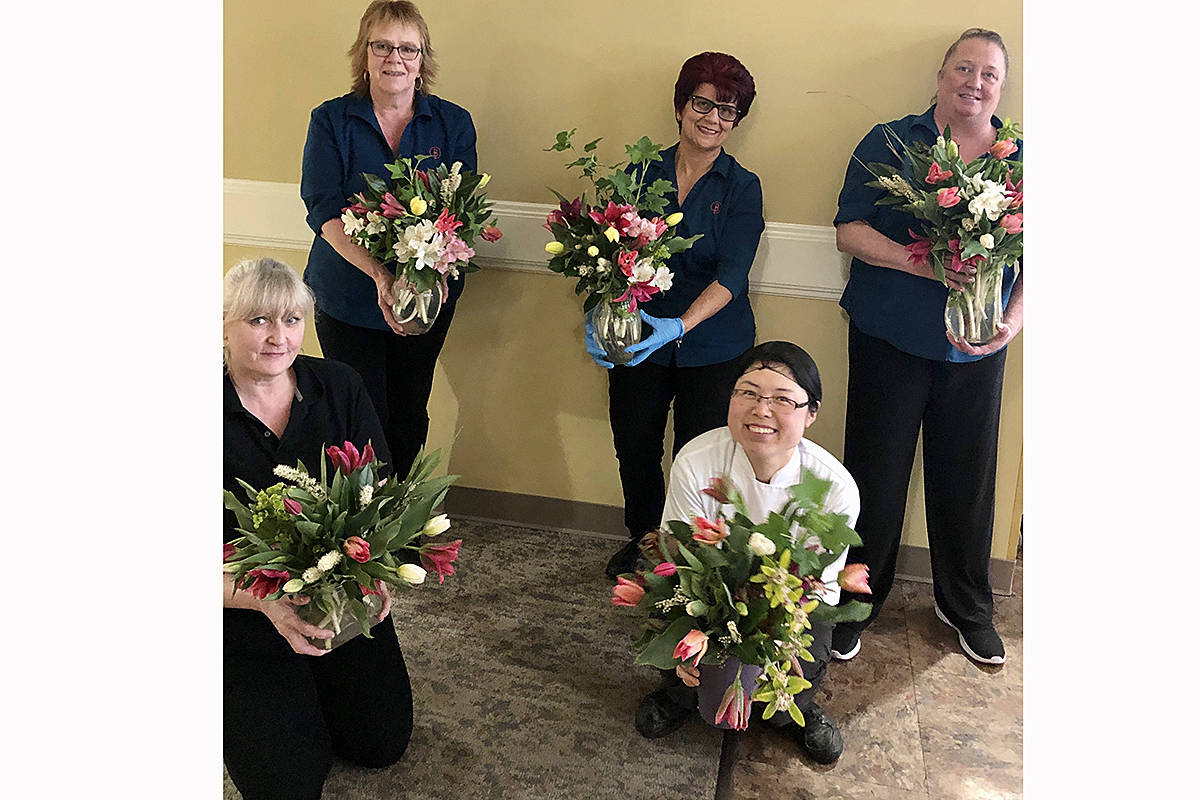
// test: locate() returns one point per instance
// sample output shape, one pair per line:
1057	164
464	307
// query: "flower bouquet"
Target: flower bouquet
424	222
615	244
338	541
970	217
736	598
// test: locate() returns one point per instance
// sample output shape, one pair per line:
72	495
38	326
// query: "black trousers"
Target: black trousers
891	397
287	715
398	373
638	400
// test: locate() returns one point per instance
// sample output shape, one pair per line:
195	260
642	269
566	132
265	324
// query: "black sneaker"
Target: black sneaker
658	715
983	644
819	737
624	560
846	642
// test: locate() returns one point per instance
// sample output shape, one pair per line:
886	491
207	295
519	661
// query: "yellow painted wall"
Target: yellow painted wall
530	408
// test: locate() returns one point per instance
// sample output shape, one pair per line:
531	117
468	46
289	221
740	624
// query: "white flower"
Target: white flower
584	270
987	240
376	223
329	560
968	224
602	265
411	574
351	224
663	278
643	271
760	545
311	575
990	199
437	525
364	497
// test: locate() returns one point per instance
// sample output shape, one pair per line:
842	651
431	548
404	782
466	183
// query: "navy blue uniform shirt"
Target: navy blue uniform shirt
726	206
344	141
905	311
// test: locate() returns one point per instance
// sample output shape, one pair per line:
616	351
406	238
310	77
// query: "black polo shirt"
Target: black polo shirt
331	406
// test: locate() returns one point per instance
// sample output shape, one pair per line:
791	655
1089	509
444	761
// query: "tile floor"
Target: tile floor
920	720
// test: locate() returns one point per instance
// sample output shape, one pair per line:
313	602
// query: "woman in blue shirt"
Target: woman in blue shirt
389	112
908	376
703	324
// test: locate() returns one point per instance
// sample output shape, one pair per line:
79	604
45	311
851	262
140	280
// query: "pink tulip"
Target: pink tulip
357	548
720	489
665	569
440	558
627	593
292	506
491	233
267	581
347	458
734	708
948	198
1003	148
694	644
1012	222
708	532
228	550
391	207
853	578
937	175
919	250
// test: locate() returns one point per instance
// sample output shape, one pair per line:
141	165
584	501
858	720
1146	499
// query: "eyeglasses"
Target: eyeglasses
384	49
702	105
785	405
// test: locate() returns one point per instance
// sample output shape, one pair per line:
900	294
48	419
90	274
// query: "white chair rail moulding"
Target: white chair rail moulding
792	260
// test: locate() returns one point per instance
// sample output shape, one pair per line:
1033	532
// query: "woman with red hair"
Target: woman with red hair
703	325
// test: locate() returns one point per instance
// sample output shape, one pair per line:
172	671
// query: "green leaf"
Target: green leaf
677	244
659	652
853	611
642	151
562	141
376	184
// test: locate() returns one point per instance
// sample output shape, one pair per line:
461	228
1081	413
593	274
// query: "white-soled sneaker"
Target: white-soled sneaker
983	645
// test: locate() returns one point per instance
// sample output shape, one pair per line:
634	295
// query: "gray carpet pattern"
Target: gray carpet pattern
524	684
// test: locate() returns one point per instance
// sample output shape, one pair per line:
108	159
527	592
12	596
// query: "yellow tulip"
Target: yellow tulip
674	219
611	234
418	206
483	181
554	248
593	251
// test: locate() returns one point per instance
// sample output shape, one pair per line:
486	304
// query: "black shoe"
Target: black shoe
846	642
624	560
658	715
983	644
819	737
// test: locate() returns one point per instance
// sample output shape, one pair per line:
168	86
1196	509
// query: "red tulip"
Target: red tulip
491	233
347	458
267	581
357	548
627	593
440	558
665	569
854	578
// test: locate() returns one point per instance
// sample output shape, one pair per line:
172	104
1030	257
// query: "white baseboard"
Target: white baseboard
792	261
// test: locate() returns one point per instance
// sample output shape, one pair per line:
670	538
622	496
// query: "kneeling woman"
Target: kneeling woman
763	450
290	707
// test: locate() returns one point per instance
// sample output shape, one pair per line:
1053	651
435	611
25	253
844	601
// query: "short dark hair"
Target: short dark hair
789	360
733	82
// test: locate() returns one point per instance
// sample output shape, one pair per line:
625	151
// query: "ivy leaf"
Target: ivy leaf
562	141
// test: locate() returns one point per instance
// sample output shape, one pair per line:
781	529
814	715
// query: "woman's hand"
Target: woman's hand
689	675
383	286
956	280
1002	337
282	613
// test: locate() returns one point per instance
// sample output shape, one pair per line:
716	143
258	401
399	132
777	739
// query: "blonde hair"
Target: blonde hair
380	11
974	33
264	287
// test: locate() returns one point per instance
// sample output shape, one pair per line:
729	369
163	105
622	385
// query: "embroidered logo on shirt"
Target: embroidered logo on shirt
435	151
716	207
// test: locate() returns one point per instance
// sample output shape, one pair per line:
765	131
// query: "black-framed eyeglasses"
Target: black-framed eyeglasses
777	403
702	105
384	49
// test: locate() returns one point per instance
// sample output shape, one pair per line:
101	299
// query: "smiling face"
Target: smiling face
703	132
264	347
970	81
393	75
769	434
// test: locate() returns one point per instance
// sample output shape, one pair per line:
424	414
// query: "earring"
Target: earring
417	83
367	76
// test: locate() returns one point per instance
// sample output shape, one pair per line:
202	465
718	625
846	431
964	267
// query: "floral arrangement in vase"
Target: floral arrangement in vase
336	541
726	589
424	222
971	216
615	244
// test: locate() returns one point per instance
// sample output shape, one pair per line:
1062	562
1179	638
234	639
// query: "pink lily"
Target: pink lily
391	207
637	293
919	250
447	222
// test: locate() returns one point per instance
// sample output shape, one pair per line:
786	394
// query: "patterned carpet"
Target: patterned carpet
524	684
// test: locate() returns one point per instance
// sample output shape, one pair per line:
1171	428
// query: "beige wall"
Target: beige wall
529	407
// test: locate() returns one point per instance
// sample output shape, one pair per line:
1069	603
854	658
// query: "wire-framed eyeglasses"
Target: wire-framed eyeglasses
384	49
776	403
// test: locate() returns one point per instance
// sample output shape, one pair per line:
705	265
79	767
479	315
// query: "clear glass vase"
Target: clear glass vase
614	328
336	616
416	311
972	313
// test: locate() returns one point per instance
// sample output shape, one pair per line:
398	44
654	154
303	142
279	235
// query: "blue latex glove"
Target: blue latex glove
666	329
589	341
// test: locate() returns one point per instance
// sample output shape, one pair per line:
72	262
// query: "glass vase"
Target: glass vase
972	312
336	616
715	679
416	311
615	327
